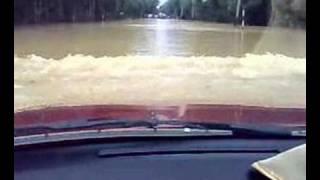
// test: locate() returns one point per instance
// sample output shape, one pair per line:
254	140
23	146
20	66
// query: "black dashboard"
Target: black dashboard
155	158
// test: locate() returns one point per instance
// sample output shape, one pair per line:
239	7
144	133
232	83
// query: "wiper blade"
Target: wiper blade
104	129
81	124
244	129
115	124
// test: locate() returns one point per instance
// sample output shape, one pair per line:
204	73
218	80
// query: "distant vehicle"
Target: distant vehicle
162	15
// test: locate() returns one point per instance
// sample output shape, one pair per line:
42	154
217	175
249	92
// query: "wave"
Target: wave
261	80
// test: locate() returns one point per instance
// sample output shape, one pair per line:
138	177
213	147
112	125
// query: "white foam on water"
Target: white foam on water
261	80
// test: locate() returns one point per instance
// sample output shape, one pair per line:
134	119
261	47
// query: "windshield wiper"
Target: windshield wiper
81	124
267	130
103	128
156	125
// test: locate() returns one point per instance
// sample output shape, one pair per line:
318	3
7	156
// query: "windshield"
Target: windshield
161	53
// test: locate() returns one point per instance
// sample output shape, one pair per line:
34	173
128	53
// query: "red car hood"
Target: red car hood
194	113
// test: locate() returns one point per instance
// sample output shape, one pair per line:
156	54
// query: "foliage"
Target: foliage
44	11
258	12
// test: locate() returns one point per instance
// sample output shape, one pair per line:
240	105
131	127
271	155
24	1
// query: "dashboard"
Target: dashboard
149	158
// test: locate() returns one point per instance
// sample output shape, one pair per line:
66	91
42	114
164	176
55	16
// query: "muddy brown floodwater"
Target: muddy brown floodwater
158	62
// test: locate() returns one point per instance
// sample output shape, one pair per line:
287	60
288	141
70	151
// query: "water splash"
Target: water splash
263	80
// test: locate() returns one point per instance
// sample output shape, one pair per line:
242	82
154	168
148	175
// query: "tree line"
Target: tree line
257	12
45	11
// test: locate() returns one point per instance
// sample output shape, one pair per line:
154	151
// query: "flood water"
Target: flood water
158	62
156	37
